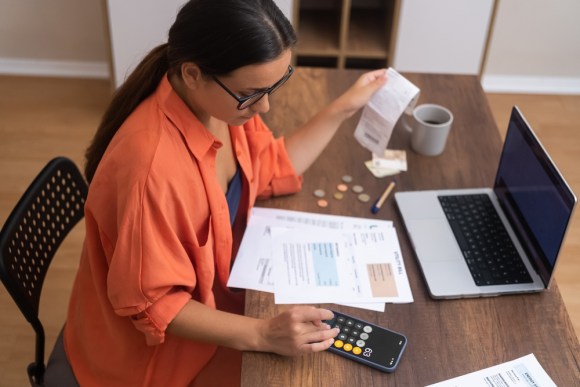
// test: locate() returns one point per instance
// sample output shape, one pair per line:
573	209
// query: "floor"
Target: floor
41	118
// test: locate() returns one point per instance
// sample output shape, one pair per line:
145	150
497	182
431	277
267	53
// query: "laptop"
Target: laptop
493	241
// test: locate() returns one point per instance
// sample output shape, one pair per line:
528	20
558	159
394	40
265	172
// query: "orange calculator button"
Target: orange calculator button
338	343
347	347
356	350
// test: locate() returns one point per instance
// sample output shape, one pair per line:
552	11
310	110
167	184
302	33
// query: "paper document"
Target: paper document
254	266
384	109
525	372
355	266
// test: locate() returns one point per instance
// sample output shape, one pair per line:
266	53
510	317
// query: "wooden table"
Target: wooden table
446	338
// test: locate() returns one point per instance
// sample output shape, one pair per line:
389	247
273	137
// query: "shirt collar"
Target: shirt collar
199	140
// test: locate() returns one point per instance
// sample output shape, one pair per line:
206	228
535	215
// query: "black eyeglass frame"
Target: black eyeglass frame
261	94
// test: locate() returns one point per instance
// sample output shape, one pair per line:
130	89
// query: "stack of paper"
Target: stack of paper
313	258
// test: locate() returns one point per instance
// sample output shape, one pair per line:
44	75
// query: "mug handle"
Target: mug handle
404	118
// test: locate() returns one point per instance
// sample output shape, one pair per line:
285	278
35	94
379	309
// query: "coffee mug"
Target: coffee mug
429	126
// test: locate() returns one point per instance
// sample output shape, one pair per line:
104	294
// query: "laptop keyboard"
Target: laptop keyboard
486	246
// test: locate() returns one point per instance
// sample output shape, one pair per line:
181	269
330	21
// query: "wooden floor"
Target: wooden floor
41	118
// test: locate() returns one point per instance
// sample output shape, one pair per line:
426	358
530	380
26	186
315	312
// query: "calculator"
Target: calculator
367	343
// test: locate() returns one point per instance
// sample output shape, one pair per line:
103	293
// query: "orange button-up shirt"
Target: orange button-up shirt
158	234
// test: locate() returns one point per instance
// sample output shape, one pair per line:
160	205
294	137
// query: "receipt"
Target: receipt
384	109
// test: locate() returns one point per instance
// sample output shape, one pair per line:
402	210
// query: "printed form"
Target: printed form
524	372
257	263
354	266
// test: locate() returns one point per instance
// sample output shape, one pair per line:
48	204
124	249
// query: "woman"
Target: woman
178	161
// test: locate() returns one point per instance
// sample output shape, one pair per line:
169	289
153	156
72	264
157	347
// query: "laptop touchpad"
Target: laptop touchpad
433	240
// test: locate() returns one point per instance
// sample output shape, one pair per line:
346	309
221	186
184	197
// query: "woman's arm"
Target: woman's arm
306	143
298	330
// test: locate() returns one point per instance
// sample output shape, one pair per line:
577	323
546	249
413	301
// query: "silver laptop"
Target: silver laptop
492	241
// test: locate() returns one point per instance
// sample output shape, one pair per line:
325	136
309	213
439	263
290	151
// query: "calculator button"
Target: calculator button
338	343
349	323
358	326
337	326
351	340
354	333
364	336
347	347
356	350
342	337
346	330
340	319
361	343
368	329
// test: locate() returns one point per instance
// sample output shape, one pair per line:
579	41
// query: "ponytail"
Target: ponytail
141	84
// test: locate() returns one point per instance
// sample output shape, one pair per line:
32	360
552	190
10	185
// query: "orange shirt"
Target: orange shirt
158	234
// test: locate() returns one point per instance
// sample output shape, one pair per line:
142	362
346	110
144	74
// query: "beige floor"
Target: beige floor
41	118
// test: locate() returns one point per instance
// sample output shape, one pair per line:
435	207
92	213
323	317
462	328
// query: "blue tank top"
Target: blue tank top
234	194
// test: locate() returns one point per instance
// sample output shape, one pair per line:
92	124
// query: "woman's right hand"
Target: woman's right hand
298	331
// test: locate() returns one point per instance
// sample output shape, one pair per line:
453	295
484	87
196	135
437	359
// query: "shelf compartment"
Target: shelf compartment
369	32
318	32
365	63
317	61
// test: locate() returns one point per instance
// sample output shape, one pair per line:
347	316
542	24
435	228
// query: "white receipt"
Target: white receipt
384	109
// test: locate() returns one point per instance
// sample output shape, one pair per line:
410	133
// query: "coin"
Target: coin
347	179
322	203
357	188
342	187
363	197
338	195
319	193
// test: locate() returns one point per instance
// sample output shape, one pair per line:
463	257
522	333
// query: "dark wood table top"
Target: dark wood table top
446	338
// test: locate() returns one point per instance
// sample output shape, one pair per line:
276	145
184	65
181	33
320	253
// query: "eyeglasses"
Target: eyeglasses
246	102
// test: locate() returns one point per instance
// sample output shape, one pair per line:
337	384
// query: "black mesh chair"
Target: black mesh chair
45	214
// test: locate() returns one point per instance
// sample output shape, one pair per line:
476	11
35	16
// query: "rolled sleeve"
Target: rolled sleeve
154	320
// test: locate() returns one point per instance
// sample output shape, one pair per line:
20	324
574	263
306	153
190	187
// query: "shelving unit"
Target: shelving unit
345	33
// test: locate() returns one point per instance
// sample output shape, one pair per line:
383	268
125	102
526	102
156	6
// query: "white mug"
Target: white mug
429	126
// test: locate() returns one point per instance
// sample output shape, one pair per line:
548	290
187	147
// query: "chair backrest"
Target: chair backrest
51	206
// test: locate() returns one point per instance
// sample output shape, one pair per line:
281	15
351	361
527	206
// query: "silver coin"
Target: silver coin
347	178
363	197
357	189
319	193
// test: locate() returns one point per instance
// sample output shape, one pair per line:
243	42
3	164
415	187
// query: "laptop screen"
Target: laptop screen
534	195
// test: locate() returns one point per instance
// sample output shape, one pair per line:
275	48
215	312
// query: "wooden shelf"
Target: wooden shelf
345	33
368	35
318	33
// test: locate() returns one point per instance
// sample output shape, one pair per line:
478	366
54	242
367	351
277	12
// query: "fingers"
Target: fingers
312	314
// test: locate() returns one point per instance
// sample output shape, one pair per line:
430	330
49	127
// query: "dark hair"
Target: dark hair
217	35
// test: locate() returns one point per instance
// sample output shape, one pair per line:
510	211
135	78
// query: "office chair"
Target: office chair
51	206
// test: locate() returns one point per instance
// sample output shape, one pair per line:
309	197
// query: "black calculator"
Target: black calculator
367	343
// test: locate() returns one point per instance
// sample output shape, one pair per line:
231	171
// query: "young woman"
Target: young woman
178	161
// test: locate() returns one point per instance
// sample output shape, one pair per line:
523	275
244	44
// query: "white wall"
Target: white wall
442	36
57	37
535	46
133	34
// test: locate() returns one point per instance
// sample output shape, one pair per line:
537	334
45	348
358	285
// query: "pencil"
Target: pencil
377	206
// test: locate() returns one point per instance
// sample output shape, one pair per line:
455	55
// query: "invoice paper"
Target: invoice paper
525	372
354	266
254	267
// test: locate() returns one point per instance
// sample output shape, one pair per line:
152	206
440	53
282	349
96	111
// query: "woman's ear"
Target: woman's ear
191	74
